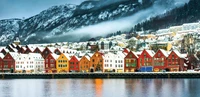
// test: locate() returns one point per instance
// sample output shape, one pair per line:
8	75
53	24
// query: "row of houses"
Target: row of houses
126	61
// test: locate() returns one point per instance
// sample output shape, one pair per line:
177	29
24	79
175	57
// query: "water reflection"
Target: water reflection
100	88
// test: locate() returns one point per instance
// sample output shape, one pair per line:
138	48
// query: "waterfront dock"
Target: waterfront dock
101	75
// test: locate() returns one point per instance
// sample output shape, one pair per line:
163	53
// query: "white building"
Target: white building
190	26
114	62
32	62
38	62
109	59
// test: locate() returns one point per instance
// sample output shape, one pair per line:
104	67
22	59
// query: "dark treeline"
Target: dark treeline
188	13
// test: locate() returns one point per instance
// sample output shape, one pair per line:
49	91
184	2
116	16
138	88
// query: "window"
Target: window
93	60
5	66
52	65
51	60
158	54
145	55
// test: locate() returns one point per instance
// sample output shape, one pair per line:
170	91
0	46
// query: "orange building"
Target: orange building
84	64
96	62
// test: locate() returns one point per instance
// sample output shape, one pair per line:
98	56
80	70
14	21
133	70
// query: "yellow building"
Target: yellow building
62	63
161	45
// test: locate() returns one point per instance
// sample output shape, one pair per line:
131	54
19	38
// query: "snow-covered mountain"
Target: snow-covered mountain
61	23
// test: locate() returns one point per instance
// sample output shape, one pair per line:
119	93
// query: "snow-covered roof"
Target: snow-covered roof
1	55
51	49
179	54
55	56
88	57
22	56
150	52
14	55
135	53
77	58
41	48
164	52
67	56
35	55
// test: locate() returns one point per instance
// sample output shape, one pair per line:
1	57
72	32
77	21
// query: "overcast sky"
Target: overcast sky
28	8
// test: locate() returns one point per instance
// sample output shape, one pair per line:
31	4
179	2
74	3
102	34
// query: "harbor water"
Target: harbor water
100	88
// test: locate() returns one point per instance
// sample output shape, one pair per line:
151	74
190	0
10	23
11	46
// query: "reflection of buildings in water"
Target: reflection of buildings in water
98	87
60	84
47	88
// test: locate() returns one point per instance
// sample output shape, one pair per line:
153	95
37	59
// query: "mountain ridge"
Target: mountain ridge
63	19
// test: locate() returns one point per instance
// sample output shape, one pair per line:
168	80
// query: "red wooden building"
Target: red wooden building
175	61
160	60
9	62
74	64
146	58
50	63
131	62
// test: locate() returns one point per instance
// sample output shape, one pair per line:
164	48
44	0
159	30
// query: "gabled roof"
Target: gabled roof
165	53
88	57
1	55
34	55
121	54
178	53
150	52
135	54
14	55
41	48
22	56
51	49
55	56
67	56
77	58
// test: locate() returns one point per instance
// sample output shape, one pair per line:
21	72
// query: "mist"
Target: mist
104	28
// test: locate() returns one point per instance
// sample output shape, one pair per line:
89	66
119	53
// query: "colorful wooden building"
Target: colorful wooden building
131	62
62	63
96	62
146	58
50	63
9	62
175	61
84	64
74	64
160	60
